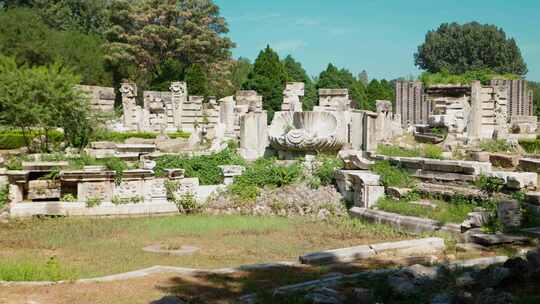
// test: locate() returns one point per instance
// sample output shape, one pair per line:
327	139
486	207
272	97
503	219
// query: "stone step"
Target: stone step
497	239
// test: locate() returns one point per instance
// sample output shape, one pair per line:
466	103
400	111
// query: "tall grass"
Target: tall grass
443	213
50	270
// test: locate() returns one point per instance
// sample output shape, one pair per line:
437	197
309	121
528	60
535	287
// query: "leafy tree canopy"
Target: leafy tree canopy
43	98
268	78
26	37
460	48
146	33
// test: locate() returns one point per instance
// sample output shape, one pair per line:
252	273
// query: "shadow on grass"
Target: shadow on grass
226	288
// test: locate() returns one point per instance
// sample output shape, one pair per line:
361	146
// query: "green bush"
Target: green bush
205	167
4	193
496	146
530	145
432	151
325	168
392	176
264	172
179	134
428	151
490	184
93	202
13	139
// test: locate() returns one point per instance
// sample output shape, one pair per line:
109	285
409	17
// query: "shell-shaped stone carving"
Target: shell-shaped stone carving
305	132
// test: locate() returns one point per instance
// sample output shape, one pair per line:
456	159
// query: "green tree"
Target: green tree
296	73
364	78
379	90
334	78
240	71
43	98
472	46
268	78
535	86
146	33
197	81
24	36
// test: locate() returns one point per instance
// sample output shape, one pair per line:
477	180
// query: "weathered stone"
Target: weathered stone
510	214
363	296
172	145
353	160
517	180
530	164
254	134
497	239
408	223
504	160
533	198
230	171
480	156
135	148
43	189
397	193
324	295
533	258
339	255
44	166
102	145
465	280
476	220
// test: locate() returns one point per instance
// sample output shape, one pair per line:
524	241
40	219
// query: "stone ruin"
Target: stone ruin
331	126
101	98
468	113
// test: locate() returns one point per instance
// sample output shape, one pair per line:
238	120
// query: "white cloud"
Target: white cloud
288	45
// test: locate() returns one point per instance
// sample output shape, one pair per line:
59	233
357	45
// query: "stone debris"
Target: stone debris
497	239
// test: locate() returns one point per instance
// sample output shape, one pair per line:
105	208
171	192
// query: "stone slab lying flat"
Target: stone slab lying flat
497	239
530	164
409	223
345	255
532	232
21	210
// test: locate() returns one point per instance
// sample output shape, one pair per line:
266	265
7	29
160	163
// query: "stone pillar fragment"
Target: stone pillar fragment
178	98
253	134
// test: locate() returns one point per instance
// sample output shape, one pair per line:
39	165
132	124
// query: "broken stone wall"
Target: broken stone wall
410	103
101	98
519	97
292	97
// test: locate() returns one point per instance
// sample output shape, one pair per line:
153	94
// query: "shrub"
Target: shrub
433	151
93	202
26	271
490	184
264	172
14	139
325	167
68	198
117	165
530	145
496	146
205	167
4	194
179	134
392	176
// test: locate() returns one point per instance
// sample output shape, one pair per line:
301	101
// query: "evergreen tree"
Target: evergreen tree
472	46
296	73
334	78
197	81
268	78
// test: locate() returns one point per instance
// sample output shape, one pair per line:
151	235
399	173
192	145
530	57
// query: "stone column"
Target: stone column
179	95
227	115
253	134
475	118
356	130
129	104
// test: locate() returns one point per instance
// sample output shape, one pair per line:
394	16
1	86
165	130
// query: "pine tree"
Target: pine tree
268	78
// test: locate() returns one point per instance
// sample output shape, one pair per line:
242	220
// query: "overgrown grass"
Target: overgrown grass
444	77
324	170
204	167
105	135
263	172
425	150
496	146
530	145
13	139
95	247
51	270
3	196
443	213
391	176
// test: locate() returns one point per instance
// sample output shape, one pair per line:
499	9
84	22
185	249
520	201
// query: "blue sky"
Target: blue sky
379	36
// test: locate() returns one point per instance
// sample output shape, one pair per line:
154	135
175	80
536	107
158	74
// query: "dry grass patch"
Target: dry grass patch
95	247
